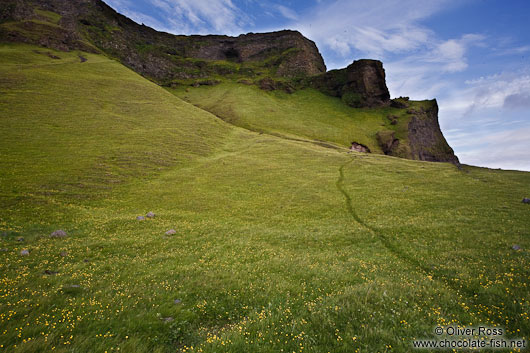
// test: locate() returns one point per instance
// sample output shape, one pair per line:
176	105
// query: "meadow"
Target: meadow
281	244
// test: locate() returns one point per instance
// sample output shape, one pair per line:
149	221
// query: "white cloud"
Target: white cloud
507	149
190	16
286	12
503	90
371	28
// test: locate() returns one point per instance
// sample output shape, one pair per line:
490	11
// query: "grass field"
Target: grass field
280	245
307	114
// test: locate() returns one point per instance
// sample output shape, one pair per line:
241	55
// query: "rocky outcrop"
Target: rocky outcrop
359	147
426	140
361	84
423	139
289	51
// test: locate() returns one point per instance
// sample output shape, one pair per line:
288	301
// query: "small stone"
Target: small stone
526	200
150	215
59	234
21	239
167	319
86	260
24	252
64	254
140	218
4	250
177	301
516	247
171	232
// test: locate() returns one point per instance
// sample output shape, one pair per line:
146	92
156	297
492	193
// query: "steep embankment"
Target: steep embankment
91	123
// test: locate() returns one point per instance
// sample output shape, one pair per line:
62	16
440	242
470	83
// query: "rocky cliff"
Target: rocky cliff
426	140
92	25
283	60
361	84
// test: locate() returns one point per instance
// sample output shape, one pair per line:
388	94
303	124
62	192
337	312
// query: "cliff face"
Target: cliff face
159	56
426	140
361	84
284	60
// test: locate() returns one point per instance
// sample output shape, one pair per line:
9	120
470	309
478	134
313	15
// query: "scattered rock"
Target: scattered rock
399	103
4	250
20	239
167	319
50	273
206	83
177	301
140	218
59	234
171	232
393	119
86	260
64	254
24	252
74	286
268	84
245	82
55	57
526	200
83	59
388	142
359	147
516	247
150	215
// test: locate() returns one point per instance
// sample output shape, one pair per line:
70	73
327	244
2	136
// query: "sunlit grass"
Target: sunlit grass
275	251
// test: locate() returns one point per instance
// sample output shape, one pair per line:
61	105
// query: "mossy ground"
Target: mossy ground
281	245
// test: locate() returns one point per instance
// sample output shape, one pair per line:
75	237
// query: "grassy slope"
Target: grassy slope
307	113
280	244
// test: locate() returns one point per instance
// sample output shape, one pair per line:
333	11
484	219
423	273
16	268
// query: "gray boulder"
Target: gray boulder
59	234
526	200
171	232
150	215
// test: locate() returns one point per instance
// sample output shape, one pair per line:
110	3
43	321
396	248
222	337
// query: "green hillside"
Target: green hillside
280	244
307	113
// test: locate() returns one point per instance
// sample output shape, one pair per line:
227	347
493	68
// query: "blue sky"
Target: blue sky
472	55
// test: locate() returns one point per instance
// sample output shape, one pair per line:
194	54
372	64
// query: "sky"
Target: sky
473	56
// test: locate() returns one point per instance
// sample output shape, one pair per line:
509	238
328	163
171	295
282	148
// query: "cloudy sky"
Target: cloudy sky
472	55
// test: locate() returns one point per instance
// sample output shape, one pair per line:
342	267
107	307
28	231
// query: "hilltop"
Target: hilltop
282	61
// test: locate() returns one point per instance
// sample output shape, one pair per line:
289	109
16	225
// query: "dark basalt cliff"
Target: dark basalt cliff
361	84
426	140
163	57
283	60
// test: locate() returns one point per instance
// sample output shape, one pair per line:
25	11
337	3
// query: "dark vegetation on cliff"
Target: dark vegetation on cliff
279	61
